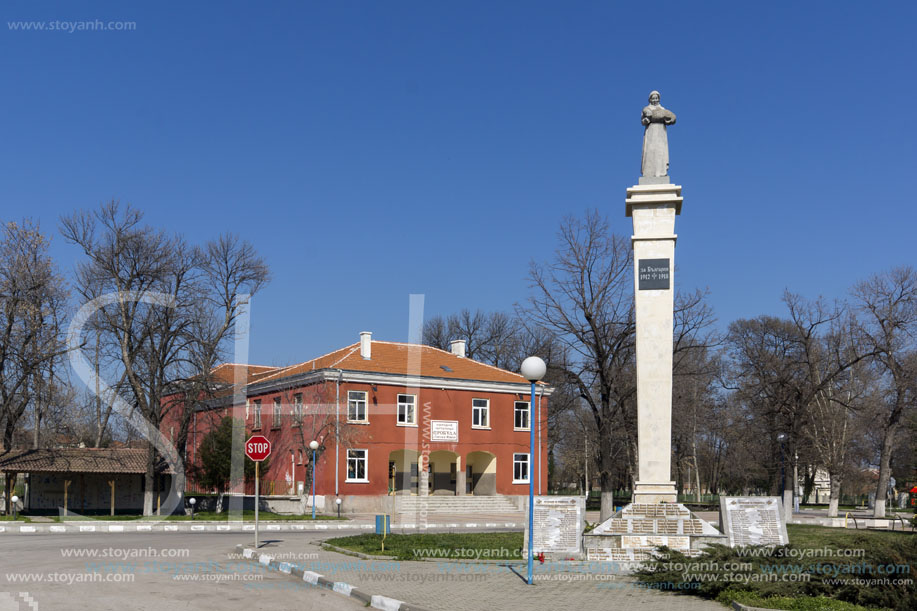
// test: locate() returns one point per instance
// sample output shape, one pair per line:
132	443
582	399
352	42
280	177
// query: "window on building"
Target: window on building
520	468
275	415
356	406
299	462
480	413
356	466
297	409
257	410
407	414
521	415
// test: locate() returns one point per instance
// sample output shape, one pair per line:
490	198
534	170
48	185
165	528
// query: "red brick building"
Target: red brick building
390	418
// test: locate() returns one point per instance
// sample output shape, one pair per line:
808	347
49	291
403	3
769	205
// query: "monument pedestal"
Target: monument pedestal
633	533
653	206
653	493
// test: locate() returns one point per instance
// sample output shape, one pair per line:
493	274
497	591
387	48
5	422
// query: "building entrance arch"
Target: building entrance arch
403	472
443	471
481	478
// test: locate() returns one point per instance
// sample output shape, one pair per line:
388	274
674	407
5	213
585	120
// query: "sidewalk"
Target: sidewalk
469	586
858	518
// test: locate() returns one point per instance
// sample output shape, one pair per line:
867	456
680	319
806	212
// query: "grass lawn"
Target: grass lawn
19	518
490	546
821	569
247	515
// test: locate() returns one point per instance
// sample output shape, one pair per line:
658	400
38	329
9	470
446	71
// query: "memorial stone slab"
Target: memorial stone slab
753	520
559	523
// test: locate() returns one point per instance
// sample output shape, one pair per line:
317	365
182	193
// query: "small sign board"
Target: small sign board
753	520
559	522
653	274
444	430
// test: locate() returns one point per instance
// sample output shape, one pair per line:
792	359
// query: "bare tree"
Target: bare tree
887	308
231	271
492	337
584	296
693	402
787	368
174	306
833	430
584	299
32	301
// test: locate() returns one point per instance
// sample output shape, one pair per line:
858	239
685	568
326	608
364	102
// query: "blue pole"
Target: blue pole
531	484
313	484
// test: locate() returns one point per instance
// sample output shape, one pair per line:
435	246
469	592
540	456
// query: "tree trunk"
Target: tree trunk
835	494
37	427
607	508
8	433
888	444
101	421
149	481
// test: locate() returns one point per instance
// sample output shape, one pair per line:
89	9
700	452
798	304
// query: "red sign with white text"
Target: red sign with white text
258	447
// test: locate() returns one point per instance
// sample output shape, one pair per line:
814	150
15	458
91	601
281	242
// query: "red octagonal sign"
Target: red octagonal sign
258	447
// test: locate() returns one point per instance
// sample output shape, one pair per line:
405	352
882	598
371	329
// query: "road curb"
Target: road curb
165	526
376	601
350	552
101	527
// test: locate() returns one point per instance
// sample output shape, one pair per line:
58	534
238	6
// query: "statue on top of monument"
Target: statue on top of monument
655	142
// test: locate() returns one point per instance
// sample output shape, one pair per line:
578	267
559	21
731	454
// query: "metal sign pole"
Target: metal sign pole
257	464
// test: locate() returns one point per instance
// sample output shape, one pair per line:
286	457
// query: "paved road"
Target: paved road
207	578
210	578
464	586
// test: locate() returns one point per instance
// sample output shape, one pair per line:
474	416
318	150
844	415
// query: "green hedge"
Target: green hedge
816	563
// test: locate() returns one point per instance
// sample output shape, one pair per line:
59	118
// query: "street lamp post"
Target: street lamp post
533	369
787	507
314	446
338	503
15	501
191	502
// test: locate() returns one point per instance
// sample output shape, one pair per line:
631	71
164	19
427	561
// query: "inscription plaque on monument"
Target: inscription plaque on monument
753	520
559	523
644	541
653	274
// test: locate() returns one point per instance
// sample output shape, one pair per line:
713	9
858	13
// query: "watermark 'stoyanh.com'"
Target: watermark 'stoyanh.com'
69	27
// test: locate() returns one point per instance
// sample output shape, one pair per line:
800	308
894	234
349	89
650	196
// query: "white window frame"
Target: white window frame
297	409
518	461
485	409
277	413
364	400
528	415
364	458
256	419
412	404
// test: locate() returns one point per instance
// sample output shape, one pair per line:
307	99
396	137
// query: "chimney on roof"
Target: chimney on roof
457	347
366	344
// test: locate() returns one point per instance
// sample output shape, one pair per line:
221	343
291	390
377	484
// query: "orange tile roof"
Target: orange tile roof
226	373
392	358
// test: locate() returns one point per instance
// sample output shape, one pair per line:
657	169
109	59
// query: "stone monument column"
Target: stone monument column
653	204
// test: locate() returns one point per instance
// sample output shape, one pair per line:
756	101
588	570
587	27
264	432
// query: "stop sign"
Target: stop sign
258	447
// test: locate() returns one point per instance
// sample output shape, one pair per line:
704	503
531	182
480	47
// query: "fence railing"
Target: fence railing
268	488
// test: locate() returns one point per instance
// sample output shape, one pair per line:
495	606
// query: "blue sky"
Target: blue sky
371	150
